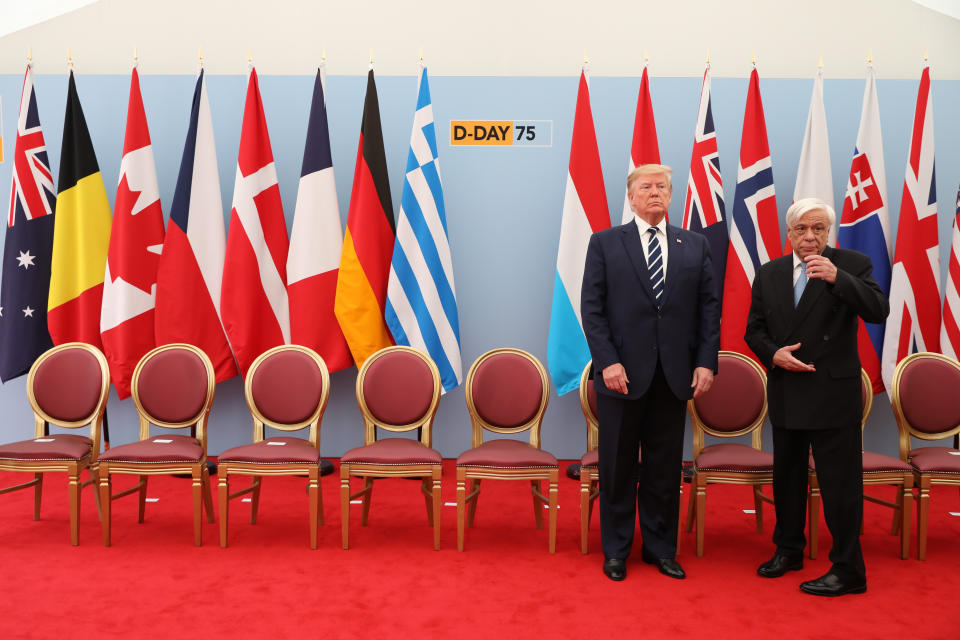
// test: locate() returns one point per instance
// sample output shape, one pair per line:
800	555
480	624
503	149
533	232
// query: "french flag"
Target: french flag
191	265
316	241
584	213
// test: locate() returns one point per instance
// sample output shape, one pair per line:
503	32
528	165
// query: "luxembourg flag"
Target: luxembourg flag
755	234
644	148
315	243
950	329
865	220
914	321
584	213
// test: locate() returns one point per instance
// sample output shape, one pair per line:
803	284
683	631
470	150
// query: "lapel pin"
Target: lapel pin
679	241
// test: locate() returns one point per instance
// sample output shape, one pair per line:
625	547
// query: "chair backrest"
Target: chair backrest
925	391
588	405
398	389
68	386
507	392
735	405
173	387
287	388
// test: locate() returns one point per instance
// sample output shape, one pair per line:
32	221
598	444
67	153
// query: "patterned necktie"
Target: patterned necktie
655	264
800	284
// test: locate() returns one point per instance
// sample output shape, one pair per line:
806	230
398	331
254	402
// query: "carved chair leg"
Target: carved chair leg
345	505
95	483
320	519
692	503
552	518
255	499
427	499
701	512
37	495
197	486
758	508
105	504
74	491
223	497
906	511
923	511
472	506
584	510
436	495
207	494
367	496
142	499
461	506
313	493
537	503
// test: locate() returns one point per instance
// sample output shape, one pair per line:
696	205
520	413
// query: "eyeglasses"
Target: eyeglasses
817	229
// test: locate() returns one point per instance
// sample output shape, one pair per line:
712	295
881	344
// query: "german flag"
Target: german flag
368	242
81	235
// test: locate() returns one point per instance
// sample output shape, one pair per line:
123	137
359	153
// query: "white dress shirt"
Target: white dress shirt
661	227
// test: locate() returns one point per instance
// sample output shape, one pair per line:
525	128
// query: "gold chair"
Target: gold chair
507	392
172	388
287	389
878	469
736	405
925	390
589	462
67	387
398	390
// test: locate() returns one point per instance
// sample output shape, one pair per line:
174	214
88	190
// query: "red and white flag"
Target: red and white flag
136	241
253	302
950	329
914	321
644	149
316	241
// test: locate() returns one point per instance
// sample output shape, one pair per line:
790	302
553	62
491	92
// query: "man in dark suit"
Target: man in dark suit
651	316
803	327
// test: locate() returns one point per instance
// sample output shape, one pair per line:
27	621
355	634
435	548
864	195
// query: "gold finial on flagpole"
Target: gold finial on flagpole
869	56
646	56
250	58
820	64
926	54
421	54
371	56
323	54
708	58
200	57
586	58
753	58
29	55
136	58
69	59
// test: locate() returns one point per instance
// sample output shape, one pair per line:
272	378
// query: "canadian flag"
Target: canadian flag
253	301
130	281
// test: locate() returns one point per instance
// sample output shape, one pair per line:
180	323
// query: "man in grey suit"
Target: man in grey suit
651	316
803	325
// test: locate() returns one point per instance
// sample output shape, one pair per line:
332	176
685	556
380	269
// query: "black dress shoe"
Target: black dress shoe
779	564
667	566
615	568
831	584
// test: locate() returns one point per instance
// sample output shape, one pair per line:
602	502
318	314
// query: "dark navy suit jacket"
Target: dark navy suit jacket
621	319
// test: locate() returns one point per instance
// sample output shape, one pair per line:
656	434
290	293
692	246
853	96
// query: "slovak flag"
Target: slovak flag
950	329
136	240
755	234
584	213
644	149
703	209
316	240
865	220
256	313
191	265
914	321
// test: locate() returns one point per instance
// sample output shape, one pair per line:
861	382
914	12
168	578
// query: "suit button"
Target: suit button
826	337
654	347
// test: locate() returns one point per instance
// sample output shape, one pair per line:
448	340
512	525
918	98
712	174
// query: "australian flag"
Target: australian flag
28	245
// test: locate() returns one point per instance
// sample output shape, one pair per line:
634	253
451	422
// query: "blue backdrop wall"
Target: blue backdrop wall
503	204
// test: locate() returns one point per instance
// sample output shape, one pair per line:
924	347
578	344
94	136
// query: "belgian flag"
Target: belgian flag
368	242
81	235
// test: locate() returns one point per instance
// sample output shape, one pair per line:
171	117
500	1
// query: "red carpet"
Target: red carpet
153	583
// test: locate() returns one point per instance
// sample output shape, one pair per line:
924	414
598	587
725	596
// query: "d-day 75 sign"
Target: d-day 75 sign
501	133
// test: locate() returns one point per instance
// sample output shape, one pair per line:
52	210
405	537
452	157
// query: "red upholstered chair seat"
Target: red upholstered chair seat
274	451
935	460
734	457
61	446
590	459
876	463
507	454
390	451
165	448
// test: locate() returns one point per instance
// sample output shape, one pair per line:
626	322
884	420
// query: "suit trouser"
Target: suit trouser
839	460
653	423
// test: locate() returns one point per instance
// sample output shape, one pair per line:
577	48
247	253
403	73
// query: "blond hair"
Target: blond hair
649	169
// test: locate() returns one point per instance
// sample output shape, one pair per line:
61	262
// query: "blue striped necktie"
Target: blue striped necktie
655	264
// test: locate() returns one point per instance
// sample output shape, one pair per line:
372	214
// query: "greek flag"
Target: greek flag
421	301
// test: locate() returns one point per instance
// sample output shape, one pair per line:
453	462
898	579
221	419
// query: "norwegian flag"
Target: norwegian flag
865	221
644	149
253	301
316	240
914	321
136	241
28	244
703	209
950	329
755	233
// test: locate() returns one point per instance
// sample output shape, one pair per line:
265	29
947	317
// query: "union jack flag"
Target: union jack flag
950	329
755	234
28	245
703	209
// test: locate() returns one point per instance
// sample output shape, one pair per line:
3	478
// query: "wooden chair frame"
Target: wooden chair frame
196	470
901	507
259	470
72	468
589	476
430	474
467	502
923	481
696	508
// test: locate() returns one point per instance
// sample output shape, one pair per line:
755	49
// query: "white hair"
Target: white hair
804	206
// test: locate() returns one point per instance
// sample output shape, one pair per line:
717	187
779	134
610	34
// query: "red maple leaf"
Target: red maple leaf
130	237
